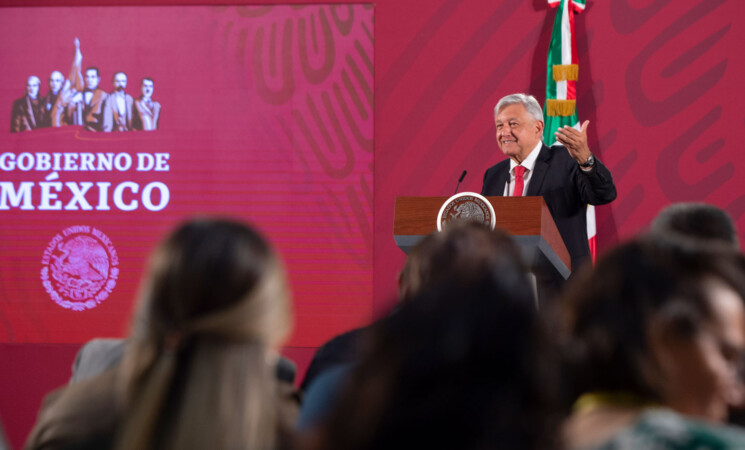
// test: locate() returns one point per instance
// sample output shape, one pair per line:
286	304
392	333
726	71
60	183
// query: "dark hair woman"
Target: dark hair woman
659	325
463	364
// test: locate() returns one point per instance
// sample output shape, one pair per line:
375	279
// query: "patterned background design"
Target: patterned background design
318	64
660	81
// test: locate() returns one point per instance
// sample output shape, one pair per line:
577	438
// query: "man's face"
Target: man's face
147	88
55	82
91	79
32	87
517	131
120	82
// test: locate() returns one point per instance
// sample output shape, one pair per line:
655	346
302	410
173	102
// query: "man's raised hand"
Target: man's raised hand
575	141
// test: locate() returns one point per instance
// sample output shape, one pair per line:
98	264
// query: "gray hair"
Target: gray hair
528	101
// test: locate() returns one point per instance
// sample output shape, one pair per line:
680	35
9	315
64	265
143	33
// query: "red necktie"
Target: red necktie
519	171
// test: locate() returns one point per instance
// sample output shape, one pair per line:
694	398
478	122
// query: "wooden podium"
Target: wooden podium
526	219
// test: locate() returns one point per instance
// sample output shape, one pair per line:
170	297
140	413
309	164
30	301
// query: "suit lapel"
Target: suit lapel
502	178
128	110
30	113
539	171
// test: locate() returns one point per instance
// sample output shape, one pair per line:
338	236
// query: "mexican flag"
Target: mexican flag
562	70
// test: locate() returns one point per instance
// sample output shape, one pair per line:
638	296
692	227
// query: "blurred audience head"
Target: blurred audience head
696	221
460	254
662	321
464	364
214	306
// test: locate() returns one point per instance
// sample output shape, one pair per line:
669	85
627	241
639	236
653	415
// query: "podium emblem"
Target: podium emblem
466	207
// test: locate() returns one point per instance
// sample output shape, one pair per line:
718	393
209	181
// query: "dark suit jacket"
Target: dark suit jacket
567	191
90	115
48	108
26	115
145	118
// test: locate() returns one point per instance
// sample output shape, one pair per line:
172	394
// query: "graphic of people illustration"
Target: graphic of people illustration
81	101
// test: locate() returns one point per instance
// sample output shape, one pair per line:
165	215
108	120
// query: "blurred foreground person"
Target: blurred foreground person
101	354
199	370
702	221
655	338
455	255
464	364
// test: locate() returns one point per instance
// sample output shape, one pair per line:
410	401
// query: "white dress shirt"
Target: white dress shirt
529	164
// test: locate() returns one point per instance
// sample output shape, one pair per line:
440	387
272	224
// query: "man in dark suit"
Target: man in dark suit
147	111
56	80
568	176
89	103
26	113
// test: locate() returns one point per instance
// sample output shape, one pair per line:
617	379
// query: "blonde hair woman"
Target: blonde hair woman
200	369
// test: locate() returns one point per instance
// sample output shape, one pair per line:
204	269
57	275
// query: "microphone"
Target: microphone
463	175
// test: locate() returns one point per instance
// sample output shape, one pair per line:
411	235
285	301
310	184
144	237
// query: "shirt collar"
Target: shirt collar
528	162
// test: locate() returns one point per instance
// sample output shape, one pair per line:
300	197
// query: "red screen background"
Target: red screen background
266	116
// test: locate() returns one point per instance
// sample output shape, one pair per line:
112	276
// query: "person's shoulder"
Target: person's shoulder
501	165
97	356
556	150
664	429
705	434
343	348
77	413
557	154
346	342
108	346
